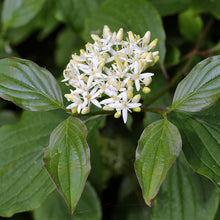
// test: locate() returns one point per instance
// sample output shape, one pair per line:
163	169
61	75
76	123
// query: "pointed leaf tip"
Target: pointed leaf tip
158	147
67	159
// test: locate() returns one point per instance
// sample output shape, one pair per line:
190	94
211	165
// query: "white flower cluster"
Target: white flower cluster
107	72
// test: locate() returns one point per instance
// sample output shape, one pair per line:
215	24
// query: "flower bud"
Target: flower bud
131	36
147	81
119	35
130	94
107	108
146	90
106	32
138	109
85	110
74	110
117	115
95	37
153	44
146	38
129	83
136	98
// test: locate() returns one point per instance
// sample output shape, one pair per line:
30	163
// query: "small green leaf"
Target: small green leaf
67	159
201	140
138	16
170	7
185	195
158	147
54	207
28	85
200	88
24	182
190	25
20	12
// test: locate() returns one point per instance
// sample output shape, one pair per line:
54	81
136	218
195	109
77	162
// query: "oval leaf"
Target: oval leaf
67	159
54	207
201	140
185	195
158	147
20	12
24	182
28	85
138	16
200	88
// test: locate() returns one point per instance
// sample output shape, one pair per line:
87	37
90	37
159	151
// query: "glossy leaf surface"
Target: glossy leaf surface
185	195
158	147
24	182
200	88
201	140
67	159
29	86
20	12
54	207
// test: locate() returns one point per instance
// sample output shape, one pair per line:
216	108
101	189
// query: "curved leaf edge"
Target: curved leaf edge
88	172
150	202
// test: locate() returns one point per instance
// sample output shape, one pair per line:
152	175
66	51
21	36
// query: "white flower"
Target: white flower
109	72
124	106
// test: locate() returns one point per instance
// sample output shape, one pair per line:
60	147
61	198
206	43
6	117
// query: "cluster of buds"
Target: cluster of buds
110	73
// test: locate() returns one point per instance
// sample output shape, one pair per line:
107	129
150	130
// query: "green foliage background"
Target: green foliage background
47	32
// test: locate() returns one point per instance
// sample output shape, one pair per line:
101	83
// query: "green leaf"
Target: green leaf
201	140
170	7
67	159
200	88
185	195
190	25
158	147
20	12
54	207
28	85
24	182
74	12
8	117
212	6
138	16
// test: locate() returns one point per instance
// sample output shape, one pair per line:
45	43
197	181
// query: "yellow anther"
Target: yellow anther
146	90
117	115
153	44
147	81
136	98
138	109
